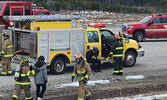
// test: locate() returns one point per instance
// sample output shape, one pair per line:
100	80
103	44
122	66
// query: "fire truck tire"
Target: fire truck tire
139	36
130	59
58	66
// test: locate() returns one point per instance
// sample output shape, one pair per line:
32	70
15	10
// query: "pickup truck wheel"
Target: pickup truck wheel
130	59
139	36
58	66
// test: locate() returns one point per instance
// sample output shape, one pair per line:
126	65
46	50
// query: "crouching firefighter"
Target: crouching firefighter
82	72
23	71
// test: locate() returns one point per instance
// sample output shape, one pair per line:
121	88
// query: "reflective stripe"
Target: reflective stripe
80	98
80	79
120	70
86	76
3	73
23	75
111	52
2	52
28	73
9	55
23	83
28	98
15	96
116	71
81	72
10	46
118	55
73	74
9	72
118	48
33	72
87	95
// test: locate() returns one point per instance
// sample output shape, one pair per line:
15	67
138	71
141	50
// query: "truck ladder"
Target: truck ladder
57	17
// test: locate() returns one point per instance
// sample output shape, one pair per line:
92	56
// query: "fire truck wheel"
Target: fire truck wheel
58	66
130	59
139	36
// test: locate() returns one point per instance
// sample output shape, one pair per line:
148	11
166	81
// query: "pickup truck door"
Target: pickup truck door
92	38
156	28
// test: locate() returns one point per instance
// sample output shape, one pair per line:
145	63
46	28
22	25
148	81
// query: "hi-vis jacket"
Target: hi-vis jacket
82	71
117	48
24	74
7	49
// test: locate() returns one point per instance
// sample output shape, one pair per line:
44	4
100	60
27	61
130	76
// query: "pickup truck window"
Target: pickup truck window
108	35
164	20
144	19
92	36
156	20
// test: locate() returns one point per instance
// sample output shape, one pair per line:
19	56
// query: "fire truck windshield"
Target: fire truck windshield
145	19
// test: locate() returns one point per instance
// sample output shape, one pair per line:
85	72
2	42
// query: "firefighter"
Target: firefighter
117	53
91	57
23	82
7	54
82	72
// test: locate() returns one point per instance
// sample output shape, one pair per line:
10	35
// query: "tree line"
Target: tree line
121	6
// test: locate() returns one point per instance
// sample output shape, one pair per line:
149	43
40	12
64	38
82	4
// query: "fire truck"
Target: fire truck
59	37
13	8
154	26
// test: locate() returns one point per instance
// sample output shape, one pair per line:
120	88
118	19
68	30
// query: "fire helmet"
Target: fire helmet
5	34
117	36
95	48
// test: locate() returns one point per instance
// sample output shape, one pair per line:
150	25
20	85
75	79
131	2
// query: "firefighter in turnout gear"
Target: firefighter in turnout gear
82	72
7	54
23	82
117	53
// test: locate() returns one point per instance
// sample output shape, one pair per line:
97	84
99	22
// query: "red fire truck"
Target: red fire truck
154	26
12	8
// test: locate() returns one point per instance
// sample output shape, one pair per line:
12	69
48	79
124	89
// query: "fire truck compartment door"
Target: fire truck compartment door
43	45
78	43
59	41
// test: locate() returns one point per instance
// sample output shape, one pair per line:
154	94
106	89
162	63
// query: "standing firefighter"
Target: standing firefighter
7	54
82	71
117	53
22	80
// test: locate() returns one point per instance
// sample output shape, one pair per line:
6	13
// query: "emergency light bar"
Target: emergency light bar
97	25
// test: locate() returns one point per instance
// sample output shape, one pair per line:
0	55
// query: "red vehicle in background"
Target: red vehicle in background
13	8
40	11
154	26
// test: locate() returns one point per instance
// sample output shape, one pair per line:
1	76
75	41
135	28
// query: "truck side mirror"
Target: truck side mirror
149	23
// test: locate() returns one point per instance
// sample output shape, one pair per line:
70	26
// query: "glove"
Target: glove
72	78
85	80
31	68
